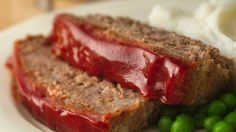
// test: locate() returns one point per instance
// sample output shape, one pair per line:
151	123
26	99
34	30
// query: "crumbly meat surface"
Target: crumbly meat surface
155	39
74	90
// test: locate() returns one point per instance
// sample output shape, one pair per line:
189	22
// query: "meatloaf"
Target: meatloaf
69	100
160	64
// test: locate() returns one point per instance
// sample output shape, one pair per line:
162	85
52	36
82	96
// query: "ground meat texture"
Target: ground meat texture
68	99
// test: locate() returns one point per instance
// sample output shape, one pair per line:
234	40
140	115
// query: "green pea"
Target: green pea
198	119
230	100
186	118
222	126
231	118
169	111
181	126
165	123
209	122
216	108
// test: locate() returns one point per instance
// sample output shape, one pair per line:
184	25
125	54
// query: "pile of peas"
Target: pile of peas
219	115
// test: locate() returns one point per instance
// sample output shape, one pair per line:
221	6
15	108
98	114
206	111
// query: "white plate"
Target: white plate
15	118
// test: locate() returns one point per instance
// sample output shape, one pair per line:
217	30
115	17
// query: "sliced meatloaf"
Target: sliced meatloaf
69	100
160	64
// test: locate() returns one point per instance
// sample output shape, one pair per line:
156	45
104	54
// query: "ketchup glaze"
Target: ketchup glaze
84	46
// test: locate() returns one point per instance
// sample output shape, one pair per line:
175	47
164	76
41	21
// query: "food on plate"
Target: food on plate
212	22
160	64
222	126
165	123
183	123
207	116
69	100
210	121
98	73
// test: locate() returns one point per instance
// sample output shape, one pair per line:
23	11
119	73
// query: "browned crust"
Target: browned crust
154	39
206	81
71	89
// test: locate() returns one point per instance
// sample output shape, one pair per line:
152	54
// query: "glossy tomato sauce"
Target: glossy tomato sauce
84	46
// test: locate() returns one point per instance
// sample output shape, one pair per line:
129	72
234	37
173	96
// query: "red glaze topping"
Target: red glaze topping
42	109
84	46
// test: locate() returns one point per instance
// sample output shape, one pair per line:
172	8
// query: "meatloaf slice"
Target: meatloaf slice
160	64
68	100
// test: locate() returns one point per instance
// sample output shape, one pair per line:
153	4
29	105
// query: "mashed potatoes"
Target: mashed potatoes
213	22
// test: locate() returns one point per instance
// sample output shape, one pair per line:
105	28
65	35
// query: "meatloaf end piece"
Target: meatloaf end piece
69	100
